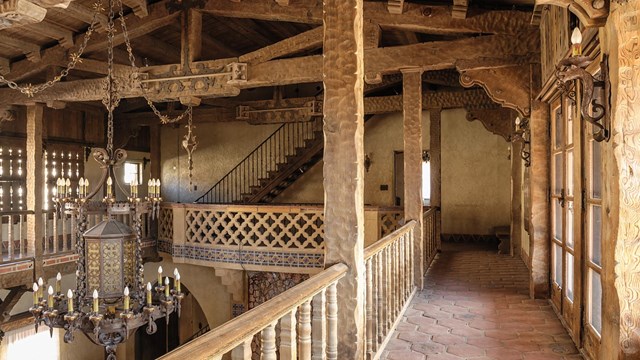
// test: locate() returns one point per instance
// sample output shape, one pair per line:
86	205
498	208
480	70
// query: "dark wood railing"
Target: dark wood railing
262	165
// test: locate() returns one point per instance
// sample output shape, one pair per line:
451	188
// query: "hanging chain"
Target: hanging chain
164	119
31	90
112	99
190	144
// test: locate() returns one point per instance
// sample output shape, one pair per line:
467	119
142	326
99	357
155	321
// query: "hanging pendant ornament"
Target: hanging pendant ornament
190	144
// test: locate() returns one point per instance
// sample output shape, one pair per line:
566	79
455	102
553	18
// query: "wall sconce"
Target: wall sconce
522	133
367	162
574	68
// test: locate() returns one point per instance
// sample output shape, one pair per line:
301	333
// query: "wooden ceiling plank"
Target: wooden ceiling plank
307	40
249	29
156	49
5	66
139	7
426	56
460	9
86	15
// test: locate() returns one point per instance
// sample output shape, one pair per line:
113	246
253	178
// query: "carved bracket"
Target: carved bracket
498	121
395	6
592	13
278	115
507	86
19	13
6	115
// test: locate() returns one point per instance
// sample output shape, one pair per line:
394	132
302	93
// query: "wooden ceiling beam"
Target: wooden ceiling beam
139	7
307	40
53	31
85	14
426	56
32	51
5	66
158	17
416	17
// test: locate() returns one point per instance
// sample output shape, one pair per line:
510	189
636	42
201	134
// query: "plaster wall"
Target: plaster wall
476	177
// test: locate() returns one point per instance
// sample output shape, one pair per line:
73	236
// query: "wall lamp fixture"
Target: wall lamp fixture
593	109
522	133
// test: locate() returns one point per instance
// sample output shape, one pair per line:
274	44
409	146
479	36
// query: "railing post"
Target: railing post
319	327
304	331
332	322
288	343
412	125
35	181
268	348
370	305
242	351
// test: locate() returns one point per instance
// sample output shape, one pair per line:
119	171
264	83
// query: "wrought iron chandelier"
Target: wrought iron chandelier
111	300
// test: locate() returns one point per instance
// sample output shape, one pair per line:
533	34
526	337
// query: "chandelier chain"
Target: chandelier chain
30	90
164	119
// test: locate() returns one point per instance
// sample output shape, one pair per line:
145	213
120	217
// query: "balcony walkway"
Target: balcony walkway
475	305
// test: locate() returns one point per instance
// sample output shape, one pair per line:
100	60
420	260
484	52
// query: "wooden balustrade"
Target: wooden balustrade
430	235
389	279
304	334
13	233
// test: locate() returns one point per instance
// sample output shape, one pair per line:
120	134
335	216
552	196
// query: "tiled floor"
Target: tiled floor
475	305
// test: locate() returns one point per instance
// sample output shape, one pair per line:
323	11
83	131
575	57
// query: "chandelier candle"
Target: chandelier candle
109	184
178	283
576	42
148	294
160	276
58	282
40	285
50	297
126	299
95	301
35	294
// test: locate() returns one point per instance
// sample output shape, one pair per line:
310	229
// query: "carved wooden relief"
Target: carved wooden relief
508	86
590	12
498	121
20	12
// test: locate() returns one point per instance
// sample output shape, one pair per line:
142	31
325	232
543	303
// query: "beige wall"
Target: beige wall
476	177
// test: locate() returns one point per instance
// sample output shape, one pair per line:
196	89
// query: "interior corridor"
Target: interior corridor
476	305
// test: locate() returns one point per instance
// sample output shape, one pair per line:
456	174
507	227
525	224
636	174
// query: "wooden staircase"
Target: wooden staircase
272	166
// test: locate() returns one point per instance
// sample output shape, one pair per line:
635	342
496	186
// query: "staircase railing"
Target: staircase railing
262	163
203	330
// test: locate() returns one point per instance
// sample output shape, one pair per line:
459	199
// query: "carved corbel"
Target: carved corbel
499	121
19	13
395	6
283	2
592	13
507	86
460	8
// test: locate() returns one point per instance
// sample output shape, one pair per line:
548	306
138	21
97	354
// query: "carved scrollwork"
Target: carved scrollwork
590	12
497	121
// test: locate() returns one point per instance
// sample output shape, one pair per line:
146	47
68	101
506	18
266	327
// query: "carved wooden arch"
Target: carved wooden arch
592	13
499	121
508	86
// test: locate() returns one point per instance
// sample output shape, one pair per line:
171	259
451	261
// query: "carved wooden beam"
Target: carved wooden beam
9	302
417	18
307	40
5	66
53	31
85	14
19	13
508	86
592	13
459	9
395	6
191	37
32	51
499	121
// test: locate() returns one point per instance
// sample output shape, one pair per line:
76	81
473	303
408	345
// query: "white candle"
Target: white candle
149	294
70	301
95	301
58	281
126	298
50	298
159	275
35	294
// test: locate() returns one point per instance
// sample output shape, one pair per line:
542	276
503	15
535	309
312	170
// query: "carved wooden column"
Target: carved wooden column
412	126
539	186
35	181
343	68
624	47
435	153
516	198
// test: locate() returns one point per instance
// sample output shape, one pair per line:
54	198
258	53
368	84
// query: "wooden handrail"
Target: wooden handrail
376	247
229	335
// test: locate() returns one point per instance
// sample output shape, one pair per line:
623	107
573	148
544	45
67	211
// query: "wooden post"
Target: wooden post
516	198
412	125
343	69
35	178
191	37
539	229
435	153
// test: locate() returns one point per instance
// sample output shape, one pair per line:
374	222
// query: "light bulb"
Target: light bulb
109	181
159	269
68	182
95	293
35	287
166	280
70	294
148	286
175	272
59	277
81	182
126	291
178	276
576	36
40	282
50	290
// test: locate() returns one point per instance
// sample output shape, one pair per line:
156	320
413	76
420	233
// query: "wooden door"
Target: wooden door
565	203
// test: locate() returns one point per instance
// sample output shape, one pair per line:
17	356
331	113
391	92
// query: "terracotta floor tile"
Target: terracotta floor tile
475	305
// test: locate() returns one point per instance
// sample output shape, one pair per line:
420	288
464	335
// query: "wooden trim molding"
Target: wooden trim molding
507	86
592	13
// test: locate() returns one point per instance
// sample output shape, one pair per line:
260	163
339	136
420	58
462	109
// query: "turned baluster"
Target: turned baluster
319	326
242	351
401	276
268	345
379	299
375	302
288	344
304	331
332	322
389	290
369	310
